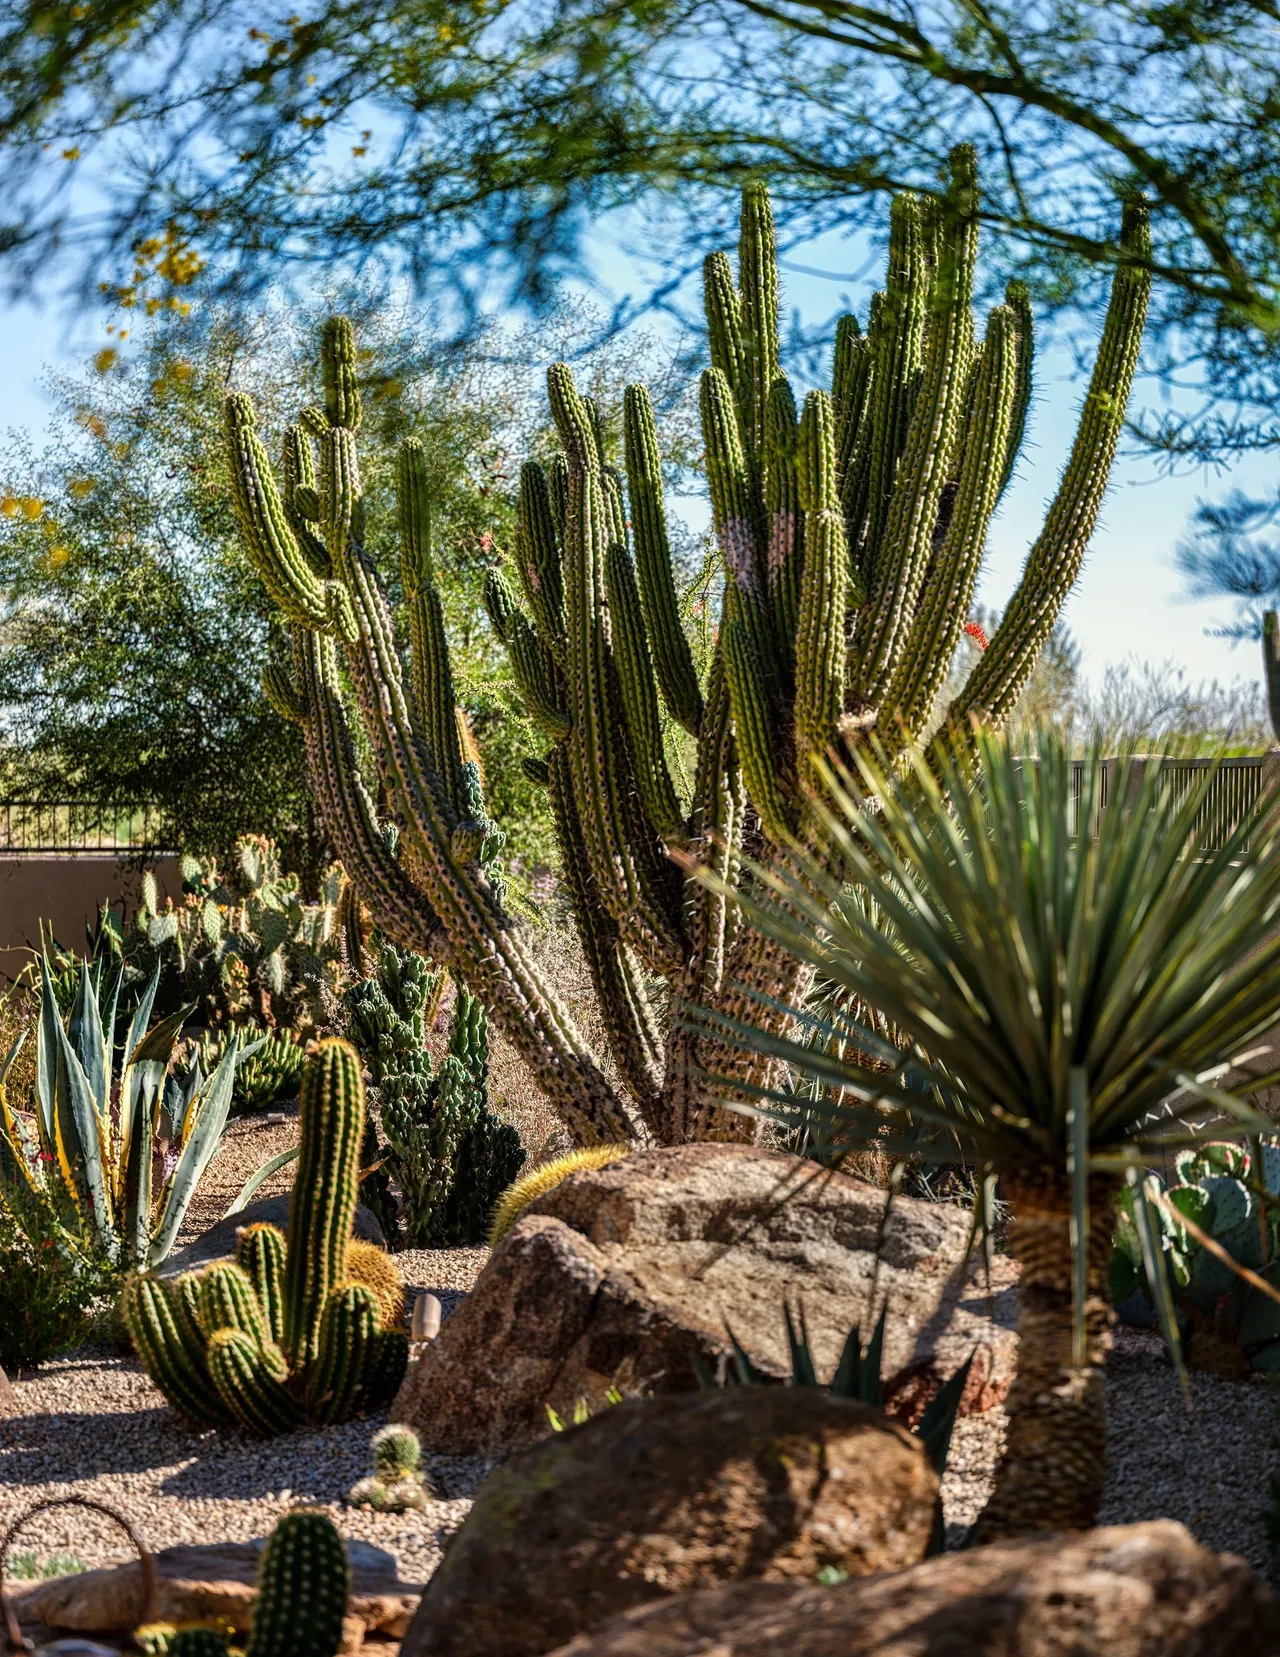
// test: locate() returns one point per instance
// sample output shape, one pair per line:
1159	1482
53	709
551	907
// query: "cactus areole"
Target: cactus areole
851	537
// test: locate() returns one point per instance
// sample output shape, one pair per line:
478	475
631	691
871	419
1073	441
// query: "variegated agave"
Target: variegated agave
113	1147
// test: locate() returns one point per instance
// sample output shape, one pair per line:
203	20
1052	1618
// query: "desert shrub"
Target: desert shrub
48	1298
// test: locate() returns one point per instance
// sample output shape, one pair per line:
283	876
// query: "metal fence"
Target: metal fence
1234	789
79	828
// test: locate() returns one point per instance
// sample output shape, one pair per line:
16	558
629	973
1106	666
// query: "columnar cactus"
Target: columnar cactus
851	540
311	1329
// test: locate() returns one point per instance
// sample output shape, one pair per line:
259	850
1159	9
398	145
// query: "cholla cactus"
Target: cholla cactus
851	539
290	1333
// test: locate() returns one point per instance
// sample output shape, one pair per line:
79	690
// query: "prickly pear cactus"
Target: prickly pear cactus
1228	1325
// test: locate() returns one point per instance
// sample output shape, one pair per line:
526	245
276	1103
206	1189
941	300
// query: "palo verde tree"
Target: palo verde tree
851	537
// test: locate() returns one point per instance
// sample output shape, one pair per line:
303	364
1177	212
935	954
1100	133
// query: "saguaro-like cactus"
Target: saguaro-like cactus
288	1332
851	539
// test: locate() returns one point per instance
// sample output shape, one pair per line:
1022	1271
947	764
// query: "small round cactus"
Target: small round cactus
396	1451
397	1484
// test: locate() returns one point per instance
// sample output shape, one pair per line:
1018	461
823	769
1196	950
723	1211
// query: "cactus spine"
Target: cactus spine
851	540
286	1332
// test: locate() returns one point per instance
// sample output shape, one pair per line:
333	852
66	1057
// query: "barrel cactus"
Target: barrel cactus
286	1332
851	534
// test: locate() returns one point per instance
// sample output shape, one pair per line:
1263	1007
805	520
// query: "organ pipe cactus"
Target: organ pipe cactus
851	539
284	1333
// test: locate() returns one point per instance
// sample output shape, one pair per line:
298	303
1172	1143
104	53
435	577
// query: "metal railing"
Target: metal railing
79	828
1233	791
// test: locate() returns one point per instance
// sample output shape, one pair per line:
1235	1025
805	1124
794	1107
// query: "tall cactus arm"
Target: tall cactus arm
284	696
301	502
850	377
629	1029
786	524
288	576
1054	561
927	462
535	671
855	473
716	824
946	599
672	658
1018	300
640	698
539	559
622	868
724	320
753	722
820	640
338	374
432	677
898	336
758	285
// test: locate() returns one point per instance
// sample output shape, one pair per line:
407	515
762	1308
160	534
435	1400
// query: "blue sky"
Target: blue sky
1128	602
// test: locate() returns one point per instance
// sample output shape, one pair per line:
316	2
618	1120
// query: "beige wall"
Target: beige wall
67	892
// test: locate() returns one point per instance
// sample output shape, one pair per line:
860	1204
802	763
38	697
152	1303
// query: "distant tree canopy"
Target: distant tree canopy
456	139
132	626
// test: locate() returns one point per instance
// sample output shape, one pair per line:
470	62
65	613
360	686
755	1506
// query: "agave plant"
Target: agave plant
91	1154
1056	995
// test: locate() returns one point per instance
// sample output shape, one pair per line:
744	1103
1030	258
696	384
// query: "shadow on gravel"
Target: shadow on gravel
38	1448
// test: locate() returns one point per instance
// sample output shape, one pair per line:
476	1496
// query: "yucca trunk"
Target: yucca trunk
1050	1476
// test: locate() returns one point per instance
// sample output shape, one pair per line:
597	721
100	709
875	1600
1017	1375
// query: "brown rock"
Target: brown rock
196	1584
658	1495
1127	1591
624	1275
8	1398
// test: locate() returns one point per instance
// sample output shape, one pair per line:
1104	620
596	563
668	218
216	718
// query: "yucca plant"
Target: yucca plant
1056	991
87	1156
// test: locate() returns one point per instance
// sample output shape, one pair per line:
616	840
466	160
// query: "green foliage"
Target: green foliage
284	1333
270	1073
447	1152
83	1158
1232	1193
48	1295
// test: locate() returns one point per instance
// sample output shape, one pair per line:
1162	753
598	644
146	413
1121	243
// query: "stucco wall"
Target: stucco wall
67	892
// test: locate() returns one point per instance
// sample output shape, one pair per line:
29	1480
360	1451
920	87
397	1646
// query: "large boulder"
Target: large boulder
630	1276
659	1495
1128	1591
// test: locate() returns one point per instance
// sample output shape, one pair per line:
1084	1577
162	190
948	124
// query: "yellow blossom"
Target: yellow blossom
8	505
80	488
31	506
104	359
73	154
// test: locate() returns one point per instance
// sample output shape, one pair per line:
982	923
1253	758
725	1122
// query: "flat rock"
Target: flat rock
629	1276
659	1495
1127	1591
194	1584
220	1240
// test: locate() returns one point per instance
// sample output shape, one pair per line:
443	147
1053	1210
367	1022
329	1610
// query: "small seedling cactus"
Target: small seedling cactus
1228	1325
284	1333
397	1483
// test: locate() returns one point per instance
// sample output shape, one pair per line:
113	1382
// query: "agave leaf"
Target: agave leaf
80	1149
939	1418
1157	1274
748	1374
47	1056
872	1391
803	1374
1078	1173
256	1180
206	1121
847	1380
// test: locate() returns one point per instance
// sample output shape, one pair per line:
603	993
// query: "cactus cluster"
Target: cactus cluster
1232	1194
303	1583
271	1072
446	1150
305	1330
397	1483
242	944
851	534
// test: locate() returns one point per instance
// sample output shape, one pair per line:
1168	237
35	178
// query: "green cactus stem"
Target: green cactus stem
303	1584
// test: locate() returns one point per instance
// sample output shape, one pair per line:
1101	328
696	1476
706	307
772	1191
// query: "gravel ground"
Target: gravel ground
248	1142
1207	1466
92	1424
